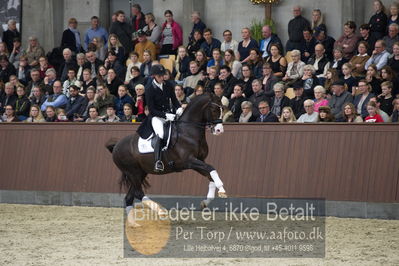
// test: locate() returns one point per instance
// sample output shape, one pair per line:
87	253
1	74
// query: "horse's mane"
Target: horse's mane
195	101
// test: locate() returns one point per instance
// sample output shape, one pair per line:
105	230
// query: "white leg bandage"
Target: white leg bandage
128	209
215	177
157	125
211	190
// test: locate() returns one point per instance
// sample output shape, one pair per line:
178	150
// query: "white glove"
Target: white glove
170	117
179	111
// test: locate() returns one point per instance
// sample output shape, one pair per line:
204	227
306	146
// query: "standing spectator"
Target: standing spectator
317	19
34	51
138	19
246	45
379	21
197	24
35	115
319	98
257	96
93	63
392	37
68	63
385	98
145	44
71	37
172	35
210	43
373	116
152	30
394	12
295	29
6	69
358	62
295	68
366	36
308	44
327	41
296	103
264	113
229	43
339	99
246	115
320	61
380	55
111	116
37	97
269	38
349	114
122	98
287	115
393	62
310	116
348	41
268	80
361	100
123	32
57	99
8	97
76	103
95	31
10	34
279	100
195	44
16	52
277	62
116	46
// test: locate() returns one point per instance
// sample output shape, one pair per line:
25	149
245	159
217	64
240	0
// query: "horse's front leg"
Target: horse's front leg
207	170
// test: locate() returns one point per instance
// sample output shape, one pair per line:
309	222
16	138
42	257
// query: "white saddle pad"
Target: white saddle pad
145	144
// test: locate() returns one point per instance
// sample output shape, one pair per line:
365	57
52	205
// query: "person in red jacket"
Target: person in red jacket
172	35
373	116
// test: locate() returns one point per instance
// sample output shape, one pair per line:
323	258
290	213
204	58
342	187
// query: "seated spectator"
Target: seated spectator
373	78
93	116
140	103
152	30
57	99
373	116
72	80
43	65
338	61
192	81
246	115
9	114
143	45
113	83
246	80
211	79
228	81
379	21
393	62
50	114
320	98
339	98
135	80
310	116
88	102
229	43
255	62
296	103
112	63
257	96
182	66
327	41
66	65
23	71
358	61
123	97
349	80
22	105
95	31
379	57
133	61
387	74
98	47
325	114
16	53
209	44
15	82
35	115
348	41
197	24
201	60
368	38
268	80
76	103
6	69
395	114
384	115
37	97
287	115
320	61
246	45
219	91
235	102
230	61
349	114
307	45
8	97
279	100
331	78
195	44
3	49
180	96
172	35
88	81
216	60
115	45
128	114
145	68
199	90
394	11
309	80
103	99
35	81
295	68
111	117
392	37
264	113
268	38
34	52
277	62
138	21
102	75
61	115
385	98
93	63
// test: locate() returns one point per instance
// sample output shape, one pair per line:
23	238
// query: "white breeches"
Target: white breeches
157	124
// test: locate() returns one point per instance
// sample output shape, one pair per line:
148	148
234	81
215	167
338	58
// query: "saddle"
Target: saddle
147	145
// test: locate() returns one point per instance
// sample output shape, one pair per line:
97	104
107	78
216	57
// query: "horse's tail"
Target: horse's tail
134	183
111	144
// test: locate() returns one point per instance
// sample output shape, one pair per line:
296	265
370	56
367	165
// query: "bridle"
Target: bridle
210	123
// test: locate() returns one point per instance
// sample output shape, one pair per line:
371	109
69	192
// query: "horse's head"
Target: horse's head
214	115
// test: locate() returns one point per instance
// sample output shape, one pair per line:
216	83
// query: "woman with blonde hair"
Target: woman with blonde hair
100	50
287	115
152	30
35	115
331	77
115	45
379	21
231	61
317	19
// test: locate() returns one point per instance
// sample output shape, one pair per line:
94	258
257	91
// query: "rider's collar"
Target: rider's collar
159	85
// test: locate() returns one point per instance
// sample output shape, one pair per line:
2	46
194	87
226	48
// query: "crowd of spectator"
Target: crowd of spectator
102	77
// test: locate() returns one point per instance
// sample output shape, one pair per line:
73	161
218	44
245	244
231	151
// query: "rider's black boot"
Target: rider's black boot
158	167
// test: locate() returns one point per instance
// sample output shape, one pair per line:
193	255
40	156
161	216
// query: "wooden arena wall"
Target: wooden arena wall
334	161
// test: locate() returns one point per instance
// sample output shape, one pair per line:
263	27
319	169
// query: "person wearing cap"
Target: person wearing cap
339	99
327	41
296	103
145	44
162	106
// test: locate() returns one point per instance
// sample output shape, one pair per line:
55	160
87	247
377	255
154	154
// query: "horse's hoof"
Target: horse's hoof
203	205
222	195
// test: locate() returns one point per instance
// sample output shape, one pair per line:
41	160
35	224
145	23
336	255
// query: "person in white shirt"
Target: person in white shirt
310	116
229	43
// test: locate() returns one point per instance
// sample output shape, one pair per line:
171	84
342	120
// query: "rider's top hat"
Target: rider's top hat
158	70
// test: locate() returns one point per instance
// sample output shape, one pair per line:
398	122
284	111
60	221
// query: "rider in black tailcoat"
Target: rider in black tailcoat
162	106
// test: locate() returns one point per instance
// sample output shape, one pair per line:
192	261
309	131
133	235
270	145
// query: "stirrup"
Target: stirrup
159	167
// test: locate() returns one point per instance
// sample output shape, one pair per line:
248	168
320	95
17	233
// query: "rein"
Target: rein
208	123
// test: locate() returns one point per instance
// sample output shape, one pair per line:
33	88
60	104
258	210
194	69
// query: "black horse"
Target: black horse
187	150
